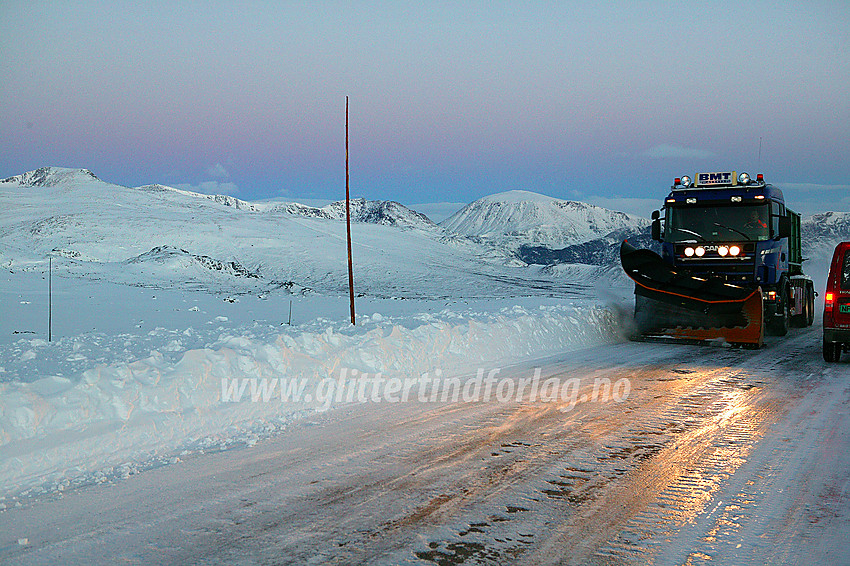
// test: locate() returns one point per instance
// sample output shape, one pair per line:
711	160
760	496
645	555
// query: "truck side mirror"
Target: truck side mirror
656	226
784	226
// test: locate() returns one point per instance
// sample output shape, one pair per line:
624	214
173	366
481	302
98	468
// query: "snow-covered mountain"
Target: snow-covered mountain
386	213
51	177
225	200
75	215
821	232
157	236
516	218
825	230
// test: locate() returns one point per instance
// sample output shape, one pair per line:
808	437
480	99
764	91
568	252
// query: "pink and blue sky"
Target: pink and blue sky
450	101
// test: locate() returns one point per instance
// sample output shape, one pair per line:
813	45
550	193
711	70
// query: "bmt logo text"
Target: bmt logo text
714	177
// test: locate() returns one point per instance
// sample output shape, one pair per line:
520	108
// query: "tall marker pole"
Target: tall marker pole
50	299
348	219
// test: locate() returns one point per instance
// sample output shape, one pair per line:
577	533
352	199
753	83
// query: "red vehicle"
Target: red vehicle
836	312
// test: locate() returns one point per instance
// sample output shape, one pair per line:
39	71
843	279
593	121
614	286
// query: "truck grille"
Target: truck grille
737	270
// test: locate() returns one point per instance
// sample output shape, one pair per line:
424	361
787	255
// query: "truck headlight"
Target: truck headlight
686	181
744	178
734	250
722	251
700	251
689	252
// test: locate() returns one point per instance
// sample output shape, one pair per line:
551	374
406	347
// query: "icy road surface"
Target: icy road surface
718	456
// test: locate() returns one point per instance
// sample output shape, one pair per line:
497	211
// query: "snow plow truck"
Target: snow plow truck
730	267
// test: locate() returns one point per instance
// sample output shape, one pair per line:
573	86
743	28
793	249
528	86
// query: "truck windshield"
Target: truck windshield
717	223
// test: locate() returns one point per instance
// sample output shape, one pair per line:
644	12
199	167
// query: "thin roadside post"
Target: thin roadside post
50	299
348	219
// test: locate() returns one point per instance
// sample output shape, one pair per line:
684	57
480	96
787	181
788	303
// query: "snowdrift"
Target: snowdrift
114	418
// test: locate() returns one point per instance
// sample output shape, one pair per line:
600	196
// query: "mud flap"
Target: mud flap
674	305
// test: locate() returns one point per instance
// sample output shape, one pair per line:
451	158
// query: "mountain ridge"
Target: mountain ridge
51	176
532	227
387	213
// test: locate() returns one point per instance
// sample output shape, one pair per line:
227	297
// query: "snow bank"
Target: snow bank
59	431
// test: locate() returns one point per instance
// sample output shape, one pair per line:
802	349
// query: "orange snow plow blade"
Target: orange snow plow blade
674	305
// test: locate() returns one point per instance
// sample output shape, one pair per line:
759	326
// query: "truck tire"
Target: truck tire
806	316
831	351
810	303
778	325
800	319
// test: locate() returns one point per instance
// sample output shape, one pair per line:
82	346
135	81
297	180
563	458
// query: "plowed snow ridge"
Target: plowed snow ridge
110	419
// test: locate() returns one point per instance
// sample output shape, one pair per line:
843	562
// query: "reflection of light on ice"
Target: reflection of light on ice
735	405
727	434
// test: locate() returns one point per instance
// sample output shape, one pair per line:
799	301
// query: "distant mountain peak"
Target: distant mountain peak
518	195
51	177
385	212
515	218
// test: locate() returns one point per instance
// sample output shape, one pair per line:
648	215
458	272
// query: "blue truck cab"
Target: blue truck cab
736	229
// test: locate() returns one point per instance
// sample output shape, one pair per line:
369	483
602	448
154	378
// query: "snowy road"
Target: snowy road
718	456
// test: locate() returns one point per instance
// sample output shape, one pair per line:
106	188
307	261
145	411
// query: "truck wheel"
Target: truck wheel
831	351
778	325
810	304
806	315
799	320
